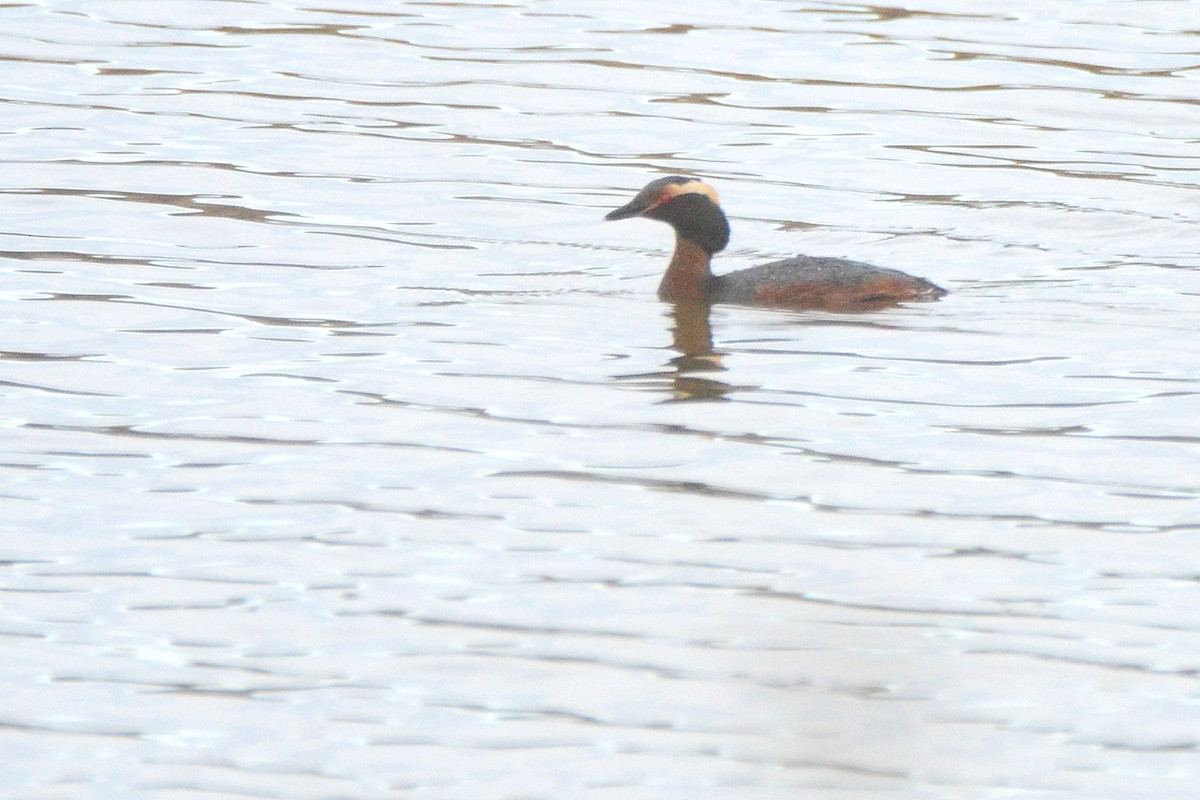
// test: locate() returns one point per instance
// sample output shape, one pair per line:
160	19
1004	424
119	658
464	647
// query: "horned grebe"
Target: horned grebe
701	229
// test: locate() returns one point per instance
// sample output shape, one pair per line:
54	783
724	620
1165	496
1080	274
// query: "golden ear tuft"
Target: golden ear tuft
692	187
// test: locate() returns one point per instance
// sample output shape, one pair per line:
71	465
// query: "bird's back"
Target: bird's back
817	282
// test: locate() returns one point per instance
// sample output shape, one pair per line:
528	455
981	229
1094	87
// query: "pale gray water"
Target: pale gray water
349	454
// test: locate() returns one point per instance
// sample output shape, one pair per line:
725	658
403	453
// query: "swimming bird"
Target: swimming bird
690	206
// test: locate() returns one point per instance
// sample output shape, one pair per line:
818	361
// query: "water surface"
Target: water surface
349	453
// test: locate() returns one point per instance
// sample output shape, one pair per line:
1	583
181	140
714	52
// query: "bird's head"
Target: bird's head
688	205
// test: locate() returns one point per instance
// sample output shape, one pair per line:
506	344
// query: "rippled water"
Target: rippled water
349	454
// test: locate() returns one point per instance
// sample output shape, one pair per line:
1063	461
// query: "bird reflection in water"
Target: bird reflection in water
697	361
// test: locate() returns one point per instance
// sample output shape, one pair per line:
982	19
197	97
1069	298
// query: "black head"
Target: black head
687	205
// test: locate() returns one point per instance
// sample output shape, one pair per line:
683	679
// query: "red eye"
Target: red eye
663	197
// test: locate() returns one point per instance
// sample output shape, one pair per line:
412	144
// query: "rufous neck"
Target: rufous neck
687	275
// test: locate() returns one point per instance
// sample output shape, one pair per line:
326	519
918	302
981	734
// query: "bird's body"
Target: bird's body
814	282
701	230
